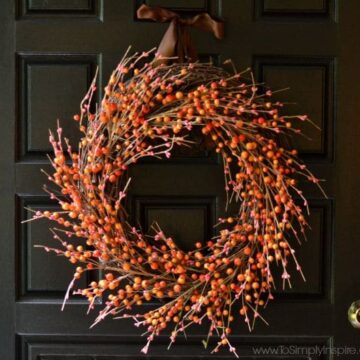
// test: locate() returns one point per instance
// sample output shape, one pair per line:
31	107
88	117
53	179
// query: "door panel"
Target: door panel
44	88
315	97
51	50
42	348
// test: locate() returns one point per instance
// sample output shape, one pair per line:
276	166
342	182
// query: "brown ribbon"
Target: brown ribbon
176	41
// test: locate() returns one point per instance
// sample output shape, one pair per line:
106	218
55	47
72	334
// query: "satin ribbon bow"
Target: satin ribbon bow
176	42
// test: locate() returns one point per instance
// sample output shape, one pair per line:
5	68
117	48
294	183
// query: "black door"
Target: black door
49	53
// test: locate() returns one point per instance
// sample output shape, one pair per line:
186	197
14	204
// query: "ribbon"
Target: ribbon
176	42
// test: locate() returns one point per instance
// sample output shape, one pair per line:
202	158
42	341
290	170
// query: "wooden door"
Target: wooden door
49	53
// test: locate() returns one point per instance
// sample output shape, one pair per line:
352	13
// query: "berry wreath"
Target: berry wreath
147	111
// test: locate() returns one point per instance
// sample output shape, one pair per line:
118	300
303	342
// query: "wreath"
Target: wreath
147	111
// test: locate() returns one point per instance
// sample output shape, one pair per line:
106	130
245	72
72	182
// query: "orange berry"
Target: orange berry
126	266
103	284
179	95
247	251
244	155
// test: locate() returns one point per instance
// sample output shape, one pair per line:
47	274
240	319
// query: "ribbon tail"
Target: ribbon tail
168	45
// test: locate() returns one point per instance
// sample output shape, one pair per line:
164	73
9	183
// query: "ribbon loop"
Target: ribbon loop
176	42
